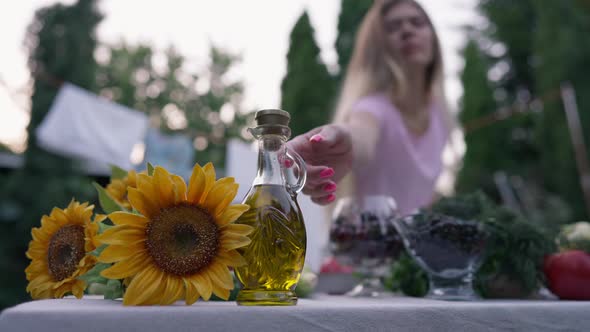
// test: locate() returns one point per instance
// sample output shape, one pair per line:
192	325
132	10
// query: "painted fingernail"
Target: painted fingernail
330	187
327	173
317	138
331	198
288	163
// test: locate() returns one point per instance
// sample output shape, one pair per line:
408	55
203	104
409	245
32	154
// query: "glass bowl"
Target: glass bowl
450	250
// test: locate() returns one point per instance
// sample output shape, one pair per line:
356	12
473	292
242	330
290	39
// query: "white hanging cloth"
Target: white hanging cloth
83	125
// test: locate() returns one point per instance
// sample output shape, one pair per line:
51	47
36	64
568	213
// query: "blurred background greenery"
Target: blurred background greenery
517	56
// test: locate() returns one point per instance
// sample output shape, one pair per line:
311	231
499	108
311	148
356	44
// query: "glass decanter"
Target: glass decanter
276	255
364	237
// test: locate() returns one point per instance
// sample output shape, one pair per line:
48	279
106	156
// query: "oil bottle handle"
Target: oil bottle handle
299	163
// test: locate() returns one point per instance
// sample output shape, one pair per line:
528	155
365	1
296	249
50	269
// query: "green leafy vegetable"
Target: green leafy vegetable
406	276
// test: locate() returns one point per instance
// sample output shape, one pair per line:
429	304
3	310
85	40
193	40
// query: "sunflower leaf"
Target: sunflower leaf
117	172
93	275
96	252
150	169
103	227
107	203
113	290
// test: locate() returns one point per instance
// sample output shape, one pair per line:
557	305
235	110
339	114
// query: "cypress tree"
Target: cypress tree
308	88
61	42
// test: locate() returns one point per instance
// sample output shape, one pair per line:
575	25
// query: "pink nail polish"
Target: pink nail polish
330	187
331	198
327	173
316	138
288	163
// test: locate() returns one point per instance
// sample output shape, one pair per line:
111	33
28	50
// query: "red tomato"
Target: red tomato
568	274
332	266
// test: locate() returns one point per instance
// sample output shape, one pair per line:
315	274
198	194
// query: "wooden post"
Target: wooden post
568	96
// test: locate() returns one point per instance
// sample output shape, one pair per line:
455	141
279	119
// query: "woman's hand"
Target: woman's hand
327	151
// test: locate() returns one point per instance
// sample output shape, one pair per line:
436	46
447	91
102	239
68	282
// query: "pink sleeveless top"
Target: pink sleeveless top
405	166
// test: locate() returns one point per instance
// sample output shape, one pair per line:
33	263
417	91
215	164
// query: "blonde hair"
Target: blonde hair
372	69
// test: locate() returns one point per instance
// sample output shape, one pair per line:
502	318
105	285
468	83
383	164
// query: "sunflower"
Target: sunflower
182	242
117	189
59	251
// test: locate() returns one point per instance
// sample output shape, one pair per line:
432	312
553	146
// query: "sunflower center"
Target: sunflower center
182	239
66	249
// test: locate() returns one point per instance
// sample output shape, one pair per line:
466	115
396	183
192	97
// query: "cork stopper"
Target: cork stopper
272	117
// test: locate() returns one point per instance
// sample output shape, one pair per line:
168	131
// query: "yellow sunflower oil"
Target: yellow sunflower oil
276	255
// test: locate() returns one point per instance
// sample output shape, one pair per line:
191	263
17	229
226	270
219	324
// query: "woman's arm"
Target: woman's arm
330	152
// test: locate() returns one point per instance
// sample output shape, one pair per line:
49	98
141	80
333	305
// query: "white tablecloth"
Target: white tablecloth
324	313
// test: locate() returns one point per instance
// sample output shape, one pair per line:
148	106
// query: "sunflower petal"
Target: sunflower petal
128	219
231	214
221	195
144	287
179	188
192	295
231	258
203	285
39	282
210	180
221	292
173	291
230	241
78	289
41	294
85	213
98	218
49	225
163	186
39	234
116	253
142	203
61	291
127	268
36	254
122	235
196	184
145	185
36	267
227	200
59	216
220	275
238	229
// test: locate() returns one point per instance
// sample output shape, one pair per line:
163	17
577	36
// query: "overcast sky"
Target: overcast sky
257	29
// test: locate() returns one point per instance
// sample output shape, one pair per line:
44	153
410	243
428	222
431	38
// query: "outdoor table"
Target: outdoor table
321	313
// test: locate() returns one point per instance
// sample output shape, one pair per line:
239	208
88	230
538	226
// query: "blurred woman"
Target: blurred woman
391	123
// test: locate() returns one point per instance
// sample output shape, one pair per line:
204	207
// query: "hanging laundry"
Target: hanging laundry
83	125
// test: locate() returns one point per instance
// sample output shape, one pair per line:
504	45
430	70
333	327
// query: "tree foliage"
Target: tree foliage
351	15
526	50
202	105
308	88
61	42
